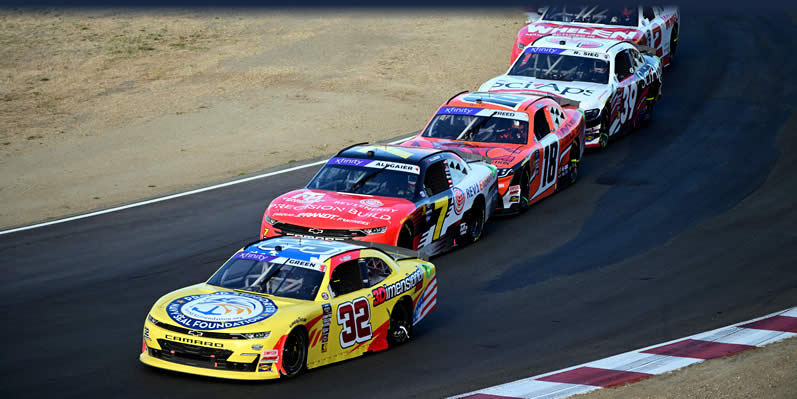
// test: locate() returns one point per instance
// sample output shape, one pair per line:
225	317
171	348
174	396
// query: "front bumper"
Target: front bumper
220	358
593	137
509	201
389	237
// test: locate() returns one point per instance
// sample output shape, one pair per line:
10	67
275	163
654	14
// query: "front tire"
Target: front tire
294	353
525	190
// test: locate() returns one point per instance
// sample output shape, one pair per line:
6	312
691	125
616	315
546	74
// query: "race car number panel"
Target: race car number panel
550	155
355	320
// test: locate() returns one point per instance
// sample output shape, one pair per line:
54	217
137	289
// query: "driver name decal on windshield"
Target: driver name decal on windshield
220	310
306	264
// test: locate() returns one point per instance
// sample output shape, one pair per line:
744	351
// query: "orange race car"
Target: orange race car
535	141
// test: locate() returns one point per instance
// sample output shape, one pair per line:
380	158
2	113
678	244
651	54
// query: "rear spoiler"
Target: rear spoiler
397	253
470	157
559	100
565	101
645	49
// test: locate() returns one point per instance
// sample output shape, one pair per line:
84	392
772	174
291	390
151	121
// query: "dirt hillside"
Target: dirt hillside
102	107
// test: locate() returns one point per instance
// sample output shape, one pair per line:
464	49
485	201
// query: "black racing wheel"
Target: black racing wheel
294	353
400	323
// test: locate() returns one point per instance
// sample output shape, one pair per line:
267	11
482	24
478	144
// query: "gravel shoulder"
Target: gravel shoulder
102	107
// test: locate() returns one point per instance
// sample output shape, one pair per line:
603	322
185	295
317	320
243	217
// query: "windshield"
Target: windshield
255	272
560	67
368	177
483	129
622	16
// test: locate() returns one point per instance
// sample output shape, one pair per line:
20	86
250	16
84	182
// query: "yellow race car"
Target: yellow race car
284	304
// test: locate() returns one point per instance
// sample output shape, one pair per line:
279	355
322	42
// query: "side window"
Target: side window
457	171
637	57
622	65
376	269
557	116
647	13
436	181
346	278
541	127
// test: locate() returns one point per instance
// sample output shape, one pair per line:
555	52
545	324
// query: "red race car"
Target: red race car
652	26
428	200
535	141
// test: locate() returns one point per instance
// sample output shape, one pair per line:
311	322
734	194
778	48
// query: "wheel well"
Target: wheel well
480	200
408	225
406	301
304	331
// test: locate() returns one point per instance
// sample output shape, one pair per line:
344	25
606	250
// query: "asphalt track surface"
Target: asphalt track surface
684	226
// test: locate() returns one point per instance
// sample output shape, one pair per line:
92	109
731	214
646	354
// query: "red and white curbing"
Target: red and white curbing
643	363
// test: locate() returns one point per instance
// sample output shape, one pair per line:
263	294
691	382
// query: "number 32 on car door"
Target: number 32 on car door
355	320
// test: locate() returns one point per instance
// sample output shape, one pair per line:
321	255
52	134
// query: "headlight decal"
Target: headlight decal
375	230
504	172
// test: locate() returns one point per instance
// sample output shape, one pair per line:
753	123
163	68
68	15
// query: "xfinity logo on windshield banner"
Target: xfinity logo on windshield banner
544	50
458	111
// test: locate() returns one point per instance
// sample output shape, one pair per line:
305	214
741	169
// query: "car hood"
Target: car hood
499	155
332	210
204	307
589	95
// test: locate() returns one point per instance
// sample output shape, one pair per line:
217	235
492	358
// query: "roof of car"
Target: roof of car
299	248
575	43
482	99
386	152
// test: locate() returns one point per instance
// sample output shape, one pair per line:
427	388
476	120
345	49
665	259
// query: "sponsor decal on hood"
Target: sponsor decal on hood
340	211
588	94
220	310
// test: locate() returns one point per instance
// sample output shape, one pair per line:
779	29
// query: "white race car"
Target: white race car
652	26
615	84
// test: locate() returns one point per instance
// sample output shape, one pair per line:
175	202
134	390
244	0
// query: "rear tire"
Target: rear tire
572	168
476	220
294	353
673	44
400	324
